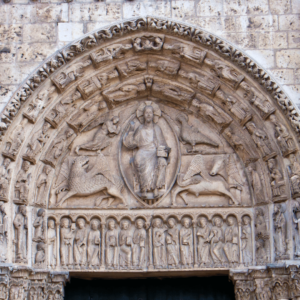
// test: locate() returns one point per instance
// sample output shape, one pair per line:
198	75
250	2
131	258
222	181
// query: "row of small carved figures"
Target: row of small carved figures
129	246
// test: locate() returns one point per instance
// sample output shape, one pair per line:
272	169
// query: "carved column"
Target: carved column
195	243
151	267
102	245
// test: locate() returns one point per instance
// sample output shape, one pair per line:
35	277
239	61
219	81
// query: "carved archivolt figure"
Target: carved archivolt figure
261	237
231	247
239	145
203	234
21	227
36	144
111	242
216	239
38	224
22	183
38	104
258	100
276	178
224	71
132	67
102	137
3	233
80	243
93	245
51	240
147	43
5	177
15	141
186	243
246	240
125	243
256	183
261	140
294	173
296	220
151	158
139	244
159	254
284	139
187	52
66	243
279	222
213	113
172	243
42	185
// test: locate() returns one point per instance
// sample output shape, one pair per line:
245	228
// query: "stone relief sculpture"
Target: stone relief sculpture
5	178
21	234
75	180
58	147
280	239
139	245
36	144
36	106
3	233
51	241
22	184
102	137
246	241
125	150
151	159
42	186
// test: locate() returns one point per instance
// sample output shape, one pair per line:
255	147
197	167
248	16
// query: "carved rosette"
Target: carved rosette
154	151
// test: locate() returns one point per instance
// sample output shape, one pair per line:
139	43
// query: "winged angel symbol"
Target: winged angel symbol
78	179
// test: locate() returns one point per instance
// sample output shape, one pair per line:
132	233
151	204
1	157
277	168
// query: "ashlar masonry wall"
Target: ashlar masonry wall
267	30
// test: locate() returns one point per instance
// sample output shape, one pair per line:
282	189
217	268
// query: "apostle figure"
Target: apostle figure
246	240
216	239
231	247
186	243
203	243
172	241
111	242
138	246
125	242
41	185
38	224
66	242
159	255
80	241
20	224
51	243
151	157
93	245
280	229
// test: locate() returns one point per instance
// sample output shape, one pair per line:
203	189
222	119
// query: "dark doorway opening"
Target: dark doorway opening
194	288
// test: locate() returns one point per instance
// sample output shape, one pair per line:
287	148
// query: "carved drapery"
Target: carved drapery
151	146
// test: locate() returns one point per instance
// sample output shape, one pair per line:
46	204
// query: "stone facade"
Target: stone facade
268	31
152	147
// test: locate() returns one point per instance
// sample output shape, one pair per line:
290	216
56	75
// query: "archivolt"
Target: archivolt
159	60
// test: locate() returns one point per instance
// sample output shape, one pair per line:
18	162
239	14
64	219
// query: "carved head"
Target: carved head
41	212
40	247
157	223
246	220
80	223
148	112
271	164
111	224
125	224
228	132
65	223
217	221
273	119
47	169
45	127
292	158
115	120
140	223
81	162
171	222
22	210
6	162
186	222
251	127
25	165
202	222
69	132
259	212
94	225
231	220
51	224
